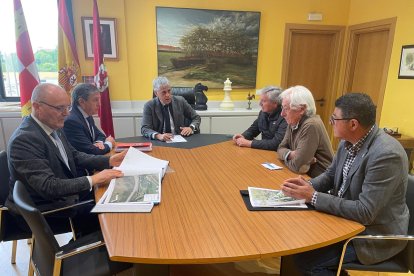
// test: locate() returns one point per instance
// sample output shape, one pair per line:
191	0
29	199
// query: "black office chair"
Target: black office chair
9	230
402	262
85	256
186	92
9	224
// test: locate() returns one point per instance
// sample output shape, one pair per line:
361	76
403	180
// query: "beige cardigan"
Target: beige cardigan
309	140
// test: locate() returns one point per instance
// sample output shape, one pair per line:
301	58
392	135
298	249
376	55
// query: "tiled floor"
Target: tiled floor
239	269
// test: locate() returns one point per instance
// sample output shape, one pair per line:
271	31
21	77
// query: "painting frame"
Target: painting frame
406	68
108	36
208	46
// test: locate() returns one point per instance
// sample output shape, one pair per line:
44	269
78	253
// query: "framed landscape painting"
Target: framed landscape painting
207	46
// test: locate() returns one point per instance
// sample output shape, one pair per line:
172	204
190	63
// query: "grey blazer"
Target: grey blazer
152	120
35	160
374	193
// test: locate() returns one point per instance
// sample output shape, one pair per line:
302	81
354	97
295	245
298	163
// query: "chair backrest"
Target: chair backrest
186	92
45	245
4	177
409	250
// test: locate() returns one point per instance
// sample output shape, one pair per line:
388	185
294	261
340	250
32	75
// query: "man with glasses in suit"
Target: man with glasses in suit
40	156
366	182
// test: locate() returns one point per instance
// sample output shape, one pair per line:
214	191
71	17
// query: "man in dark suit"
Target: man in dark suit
368	182
41	157
80	128
270	124
165	114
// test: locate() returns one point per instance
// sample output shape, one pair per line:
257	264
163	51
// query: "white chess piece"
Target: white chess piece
227	103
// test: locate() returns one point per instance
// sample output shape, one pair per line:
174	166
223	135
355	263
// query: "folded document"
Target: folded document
260	197
140	187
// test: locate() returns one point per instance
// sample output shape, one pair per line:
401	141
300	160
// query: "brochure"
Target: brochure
260	197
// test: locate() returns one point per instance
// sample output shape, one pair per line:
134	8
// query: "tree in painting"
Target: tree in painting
212	46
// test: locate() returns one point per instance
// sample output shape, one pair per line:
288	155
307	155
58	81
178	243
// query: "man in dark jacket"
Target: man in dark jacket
269	123
80	128
40	156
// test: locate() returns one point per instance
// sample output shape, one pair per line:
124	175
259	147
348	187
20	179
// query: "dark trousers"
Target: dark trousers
323	261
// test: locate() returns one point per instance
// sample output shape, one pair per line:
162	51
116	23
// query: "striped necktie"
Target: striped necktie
59	145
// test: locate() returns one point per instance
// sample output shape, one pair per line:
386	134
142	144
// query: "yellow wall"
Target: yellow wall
399	94
131	76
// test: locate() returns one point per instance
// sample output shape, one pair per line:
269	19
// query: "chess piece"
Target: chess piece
227	103
200	98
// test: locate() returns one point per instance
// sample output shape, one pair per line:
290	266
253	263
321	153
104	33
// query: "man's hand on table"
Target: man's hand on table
298	188
164	136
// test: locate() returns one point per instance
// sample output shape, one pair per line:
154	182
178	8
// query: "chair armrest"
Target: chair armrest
67	207
371	237
383	237
65	254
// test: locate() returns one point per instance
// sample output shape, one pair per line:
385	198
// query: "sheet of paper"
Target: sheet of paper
177	139
271	166
137	161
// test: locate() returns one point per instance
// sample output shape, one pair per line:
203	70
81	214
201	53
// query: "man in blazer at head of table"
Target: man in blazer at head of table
80	128
367	181
165	115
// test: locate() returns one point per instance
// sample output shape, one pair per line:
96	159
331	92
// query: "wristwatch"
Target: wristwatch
192	128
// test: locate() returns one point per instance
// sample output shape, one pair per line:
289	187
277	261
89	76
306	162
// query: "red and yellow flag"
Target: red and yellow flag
69	69
28	75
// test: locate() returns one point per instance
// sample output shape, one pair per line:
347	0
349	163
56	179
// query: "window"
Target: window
41	20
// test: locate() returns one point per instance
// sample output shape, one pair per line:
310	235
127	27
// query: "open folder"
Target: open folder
246	199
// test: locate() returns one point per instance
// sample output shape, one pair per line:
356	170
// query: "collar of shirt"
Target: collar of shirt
304	117
84	114
46	129
354	149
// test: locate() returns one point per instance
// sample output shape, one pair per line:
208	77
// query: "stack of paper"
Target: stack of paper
260	197
136	160
140	187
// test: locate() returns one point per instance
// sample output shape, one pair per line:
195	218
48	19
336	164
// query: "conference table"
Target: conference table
202	218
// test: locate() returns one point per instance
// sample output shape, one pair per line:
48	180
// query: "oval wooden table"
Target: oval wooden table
202	217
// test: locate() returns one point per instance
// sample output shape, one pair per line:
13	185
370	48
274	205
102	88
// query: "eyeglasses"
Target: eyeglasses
285	108
61	108
332	119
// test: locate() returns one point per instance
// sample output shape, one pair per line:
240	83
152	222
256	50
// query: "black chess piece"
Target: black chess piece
200	98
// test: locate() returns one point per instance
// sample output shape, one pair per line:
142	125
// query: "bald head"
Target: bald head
42	91
50	104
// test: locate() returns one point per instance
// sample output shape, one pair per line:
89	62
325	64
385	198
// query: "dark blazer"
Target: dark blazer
153	121
271	126
35	160
78	134
374	193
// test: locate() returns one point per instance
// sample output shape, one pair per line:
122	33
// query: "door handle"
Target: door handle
321	102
